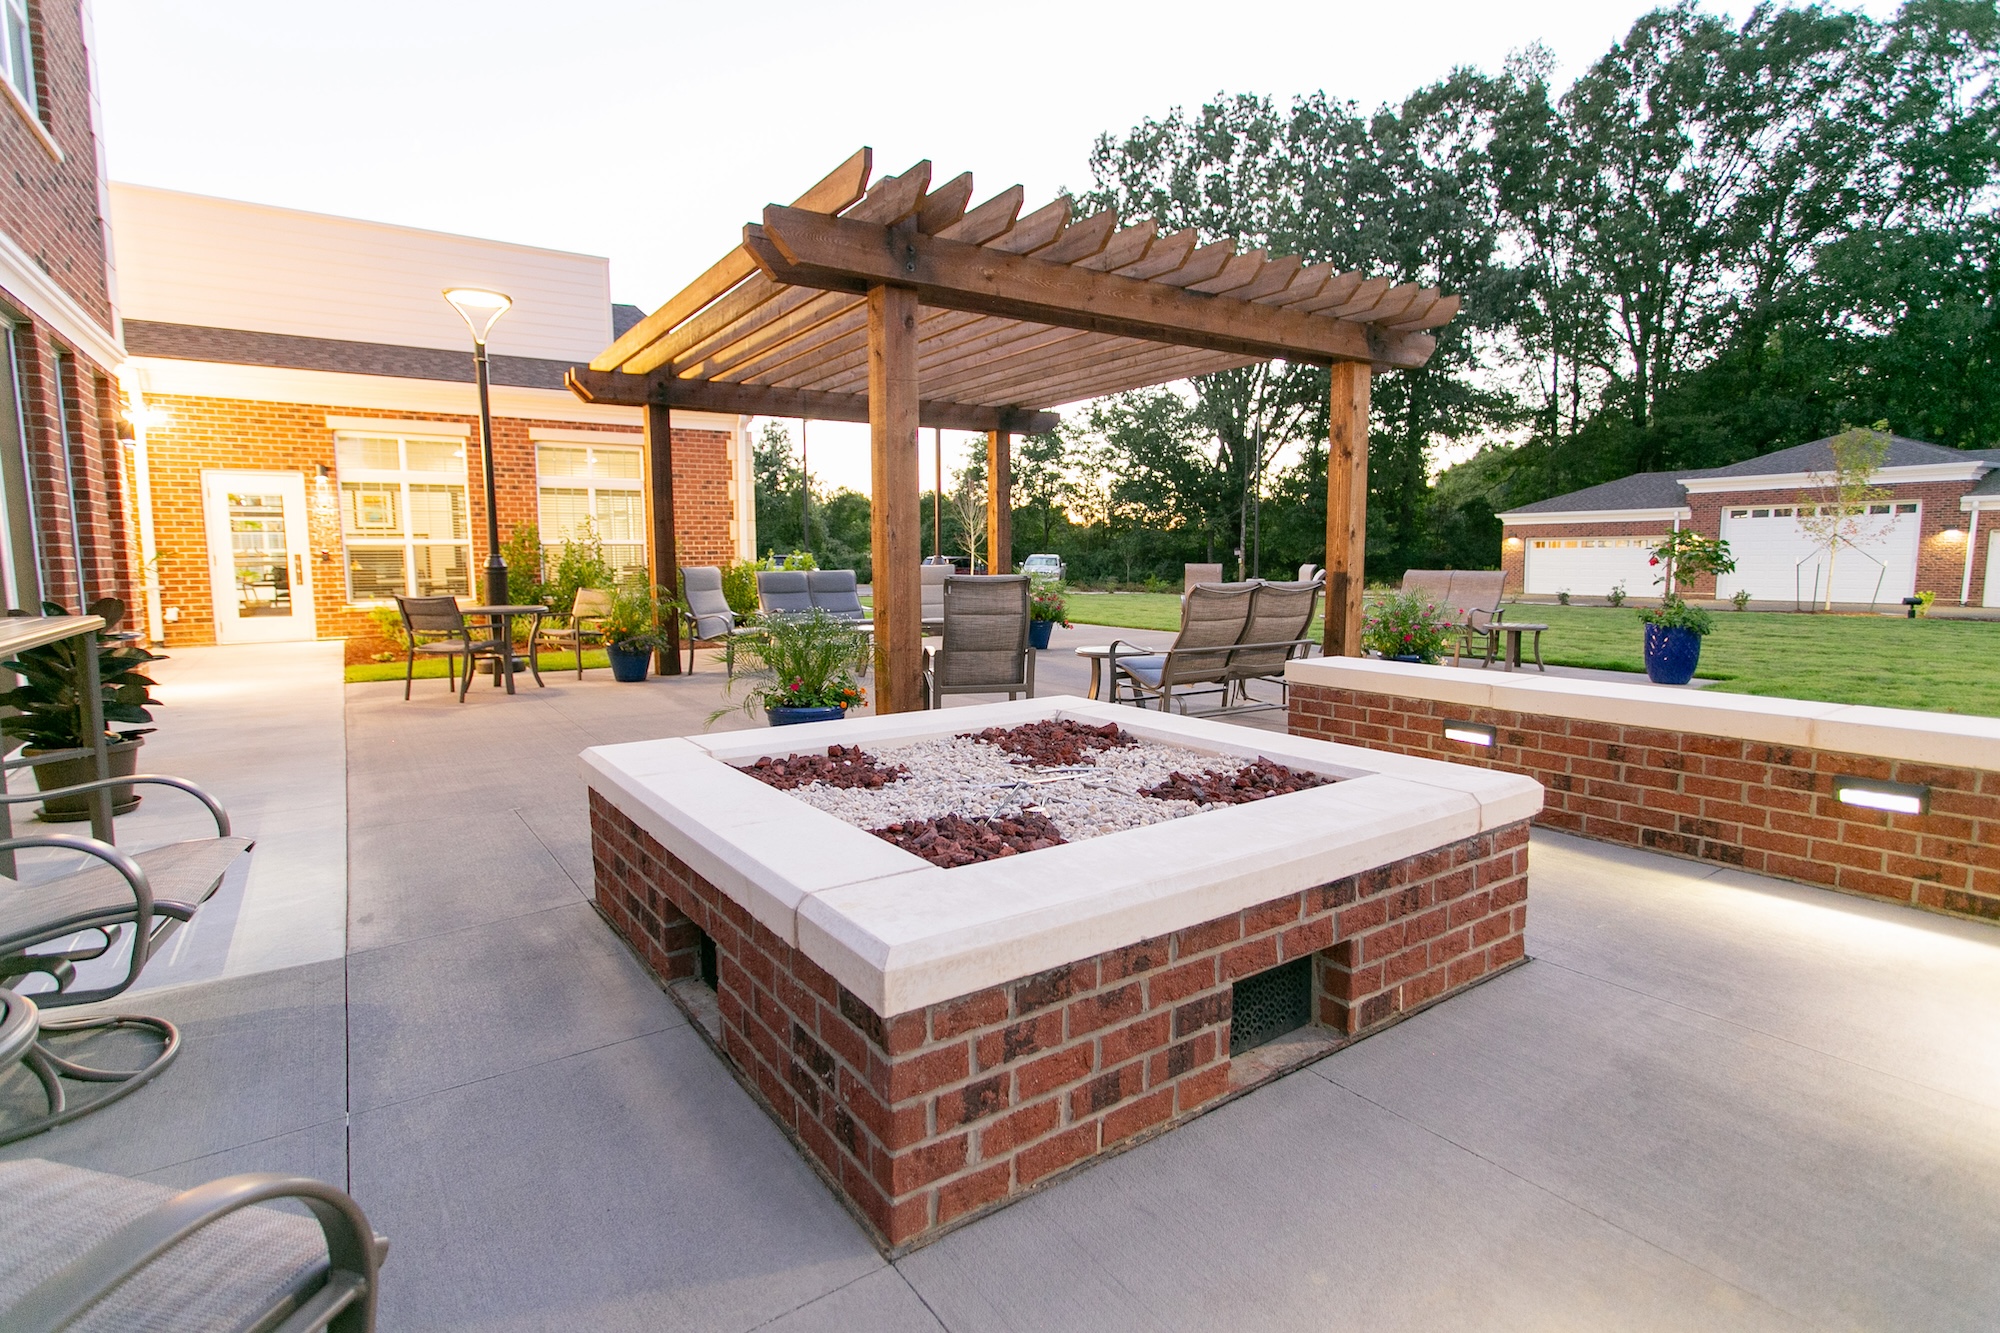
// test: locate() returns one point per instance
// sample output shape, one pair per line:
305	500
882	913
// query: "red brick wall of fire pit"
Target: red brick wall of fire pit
1764	808
927	1118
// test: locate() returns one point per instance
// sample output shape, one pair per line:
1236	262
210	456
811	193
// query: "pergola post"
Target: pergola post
663	560
896	518
1346	507
999	502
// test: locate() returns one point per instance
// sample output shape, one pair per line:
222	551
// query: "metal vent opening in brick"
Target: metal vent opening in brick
1270	1004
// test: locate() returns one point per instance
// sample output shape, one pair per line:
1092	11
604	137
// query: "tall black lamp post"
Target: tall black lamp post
480	309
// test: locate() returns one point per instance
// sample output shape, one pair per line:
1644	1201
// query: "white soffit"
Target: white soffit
380	393
1970	470
457	430
1517	519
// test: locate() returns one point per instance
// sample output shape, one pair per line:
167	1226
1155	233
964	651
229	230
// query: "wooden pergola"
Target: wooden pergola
900	305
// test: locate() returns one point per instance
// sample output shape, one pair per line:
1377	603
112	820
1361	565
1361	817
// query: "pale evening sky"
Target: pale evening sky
651	132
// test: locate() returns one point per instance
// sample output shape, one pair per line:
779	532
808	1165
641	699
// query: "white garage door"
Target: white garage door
1777	562
1591	566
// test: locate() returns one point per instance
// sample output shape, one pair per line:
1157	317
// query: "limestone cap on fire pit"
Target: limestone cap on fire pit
901	933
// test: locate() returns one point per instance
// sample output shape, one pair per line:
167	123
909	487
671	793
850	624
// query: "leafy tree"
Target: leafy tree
1835	508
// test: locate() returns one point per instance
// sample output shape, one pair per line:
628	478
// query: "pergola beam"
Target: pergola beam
616	387
839	254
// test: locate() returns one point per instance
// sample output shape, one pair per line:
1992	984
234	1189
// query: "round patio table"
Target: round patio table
502	620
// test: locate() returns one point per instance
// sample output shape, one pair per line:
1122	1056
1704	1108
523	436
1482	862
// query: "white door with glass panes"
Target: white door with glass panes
403	518
260	561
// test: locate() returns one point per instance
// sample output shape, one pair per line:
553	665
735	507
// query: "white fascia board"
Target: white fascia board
1517	518
381	393
1970	470
1972	502
24	280
389	426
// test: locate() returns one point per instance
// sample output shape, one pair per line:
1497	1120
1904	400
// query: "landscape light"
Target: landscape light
1898	798
478	307
1472	733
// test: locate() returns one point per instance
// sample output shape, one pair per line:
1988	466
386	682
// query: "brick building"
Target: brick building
306	431
1924	535
64	504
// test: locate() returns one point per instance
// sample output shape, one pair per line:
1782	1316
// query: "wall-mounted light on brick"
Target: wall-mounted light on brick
1472	733
1898	798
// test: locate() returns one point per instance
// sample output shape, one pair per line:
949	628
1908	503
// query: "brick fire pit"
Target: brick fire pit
940	1041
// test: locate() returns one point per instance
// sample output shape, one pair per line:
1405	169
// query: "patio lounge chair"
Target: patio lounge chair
574	630
835	592
1280	614
985	648
708	614
1471	597
133	903
440	615
1213	617
82	1250
782	592
931	592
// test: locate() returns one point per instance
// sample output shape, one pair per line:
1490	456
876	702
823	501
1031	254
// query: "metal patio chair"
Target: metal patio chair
783	592
441	616
930	594
82	1250
1274	634
836	592
1213	616
985	648
707	614
574	630
134	902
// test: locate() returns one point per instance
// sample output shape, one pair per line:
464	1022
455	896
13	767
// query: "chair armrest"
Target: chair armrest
134	873
354	1251
153	779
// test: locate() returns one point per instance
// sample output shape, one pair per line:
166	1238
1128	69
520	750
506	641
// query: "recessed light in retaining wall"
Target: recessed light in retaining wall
1472	733
1898	798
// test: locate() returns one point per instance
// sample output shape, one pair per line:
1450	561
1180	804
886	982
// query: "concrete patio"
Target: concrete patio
1710	1101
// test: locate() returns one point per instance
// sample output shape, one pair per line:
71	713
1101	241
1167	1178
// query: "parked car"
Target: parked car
961	564
1048	566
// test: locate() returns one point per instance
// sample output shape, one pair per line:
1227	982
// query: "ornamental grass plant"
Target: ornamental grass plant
805	660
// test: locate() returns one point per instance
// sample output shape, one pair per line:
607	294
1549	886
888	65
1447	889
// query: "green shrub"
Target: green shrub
579	564
739	586
1408	624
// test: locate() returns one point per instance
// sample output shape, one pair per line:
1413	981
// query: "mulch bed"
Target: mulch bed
840	766
1054	743
953	840
1252	782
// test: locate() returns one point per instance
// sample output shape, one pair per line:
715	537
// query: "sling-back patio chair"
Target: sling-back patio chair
440	616
583	625
86	1252
985	648
783	592
1213	616
124	905
1274	634
836	592
708	614
930	592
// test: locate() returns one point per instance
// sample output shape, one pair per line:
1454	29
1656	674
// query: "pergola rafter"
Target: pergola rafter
903	304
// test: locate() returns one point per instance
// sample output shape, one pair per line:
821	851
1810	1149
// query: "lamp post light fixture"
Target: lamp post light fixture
481	309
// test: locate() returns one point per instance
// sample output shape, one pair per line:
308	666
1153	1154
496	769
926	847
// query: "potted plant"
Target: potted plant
632	629
1046	609
1408	627
802	667
1675	630
51	711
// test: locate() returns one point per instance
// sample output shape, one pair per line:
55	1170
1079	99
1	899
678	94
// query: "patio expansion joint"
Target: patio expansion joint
1560	1197
1764	1035
522	1069
835	1291
549	851
468	926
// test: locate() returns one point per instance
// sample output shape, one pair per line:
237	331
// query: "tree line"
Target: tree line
1721	239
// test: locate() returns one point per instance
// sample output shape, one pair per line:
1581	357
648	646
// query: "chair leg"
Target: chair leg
50	1069
465	678
579	656
535	666
409	672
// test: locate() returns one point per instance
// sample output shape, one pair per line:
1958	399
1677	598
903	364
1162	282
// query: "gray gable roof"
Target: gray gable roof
1663	490
624	317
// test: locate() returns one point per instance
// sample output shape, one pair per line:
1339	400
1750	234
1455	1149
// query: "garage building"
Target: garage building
1932	530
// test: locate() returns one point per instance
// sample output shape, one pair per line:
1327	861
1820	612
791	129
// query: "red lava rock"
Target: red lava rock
953	840
840	766
1252	782
1055	742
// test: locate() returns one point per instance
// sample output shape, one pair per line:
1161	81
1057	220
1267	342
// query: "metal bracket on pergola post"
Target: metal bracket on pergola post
899	305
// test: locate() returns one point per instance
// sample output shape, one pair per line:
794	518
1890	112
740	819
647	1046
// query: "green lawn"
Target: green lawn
432	668
1941	665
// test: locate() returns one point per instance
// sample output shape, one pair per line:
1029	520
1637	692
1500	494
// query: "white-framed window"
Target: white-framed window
17	49
403	518
601	483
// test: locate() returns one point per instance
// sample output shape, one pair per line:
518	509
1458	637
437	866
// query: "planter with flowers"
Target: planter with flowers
632	629
1674	632
802	668
1046	609
51	710
1408	627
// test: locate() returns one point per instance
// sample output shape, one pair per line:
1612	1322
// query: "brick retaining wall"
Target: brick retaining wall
1761	807
927	1118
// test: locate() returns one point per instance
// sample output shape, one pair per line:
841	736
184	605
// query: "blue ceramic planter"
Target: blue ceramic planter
786	717
1671	654
1039	631
628	665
